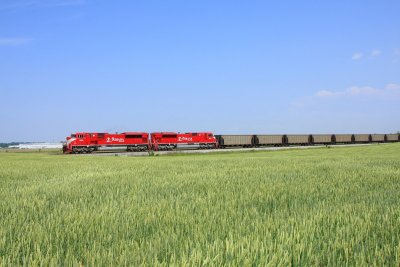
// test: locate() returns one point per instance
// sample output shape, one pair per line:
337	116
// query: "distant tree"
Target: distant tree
3	145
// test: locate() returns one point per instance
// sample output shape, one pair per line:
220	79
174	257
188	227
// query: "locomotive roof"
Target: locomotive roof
134	133
110	133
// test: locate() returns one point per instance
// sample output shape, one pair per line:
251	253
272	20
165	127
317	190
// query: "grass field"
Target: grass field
325	207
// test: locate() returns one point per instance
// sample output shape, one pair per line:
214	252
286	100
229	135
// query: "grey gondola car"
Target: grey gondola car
323	138
392	137
362	138
344	138
265	140
378	138
235	140
299	139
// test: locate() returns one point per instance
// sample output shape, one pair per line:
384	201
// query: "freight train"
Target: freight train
140	141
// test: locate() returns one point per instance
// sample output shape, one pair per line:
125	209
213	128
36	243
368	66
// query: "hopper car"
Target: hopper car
378	138
298	139
269	139
362	138
235	141
323	139
392	137
344	139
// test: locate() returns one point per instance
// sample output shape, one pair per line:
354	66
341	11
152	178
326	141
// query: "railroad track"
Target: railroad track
207	151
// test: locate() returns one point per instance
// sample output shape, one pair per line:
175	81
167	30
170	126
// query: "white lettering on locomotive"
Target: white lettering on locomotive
114	139
183	138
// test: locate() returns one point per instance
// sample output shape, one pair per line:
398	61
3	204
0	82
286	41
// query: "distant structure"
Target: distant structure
38	146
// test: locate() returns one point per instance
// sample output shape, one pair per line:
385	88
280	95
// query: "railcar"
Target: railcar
323	139
269	140
393	137
298	139
172	140
344	138
236	140
83	142
362	138
379	138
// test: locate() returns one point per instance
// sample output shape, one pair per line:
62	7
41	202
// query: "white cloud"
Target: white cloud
357	56
393	87
366	90
376	52
390	91
14	41
326	93
360	55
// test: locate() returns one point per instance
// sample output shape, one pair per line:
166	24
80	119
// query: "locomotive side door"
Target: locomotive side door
93	139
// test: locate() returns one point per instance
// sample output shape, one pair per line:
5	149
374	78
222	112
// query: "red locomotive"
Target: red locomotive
89	142
137	141
170	140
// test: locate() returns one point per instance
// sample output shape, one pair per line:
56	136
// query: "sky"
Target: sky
229	67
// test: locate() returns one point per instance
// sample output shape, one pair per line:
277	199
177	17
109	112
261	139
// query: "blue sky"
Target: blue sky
221	66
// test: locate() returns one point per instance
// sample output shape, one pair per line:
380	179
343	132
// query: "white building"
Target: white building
38	146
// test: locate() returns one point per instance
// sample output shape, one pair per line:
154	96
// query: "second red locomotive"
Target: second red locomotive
170	140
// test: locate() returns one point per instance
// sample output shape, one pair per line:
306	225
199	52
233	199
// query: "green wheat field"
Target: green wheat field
323	206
